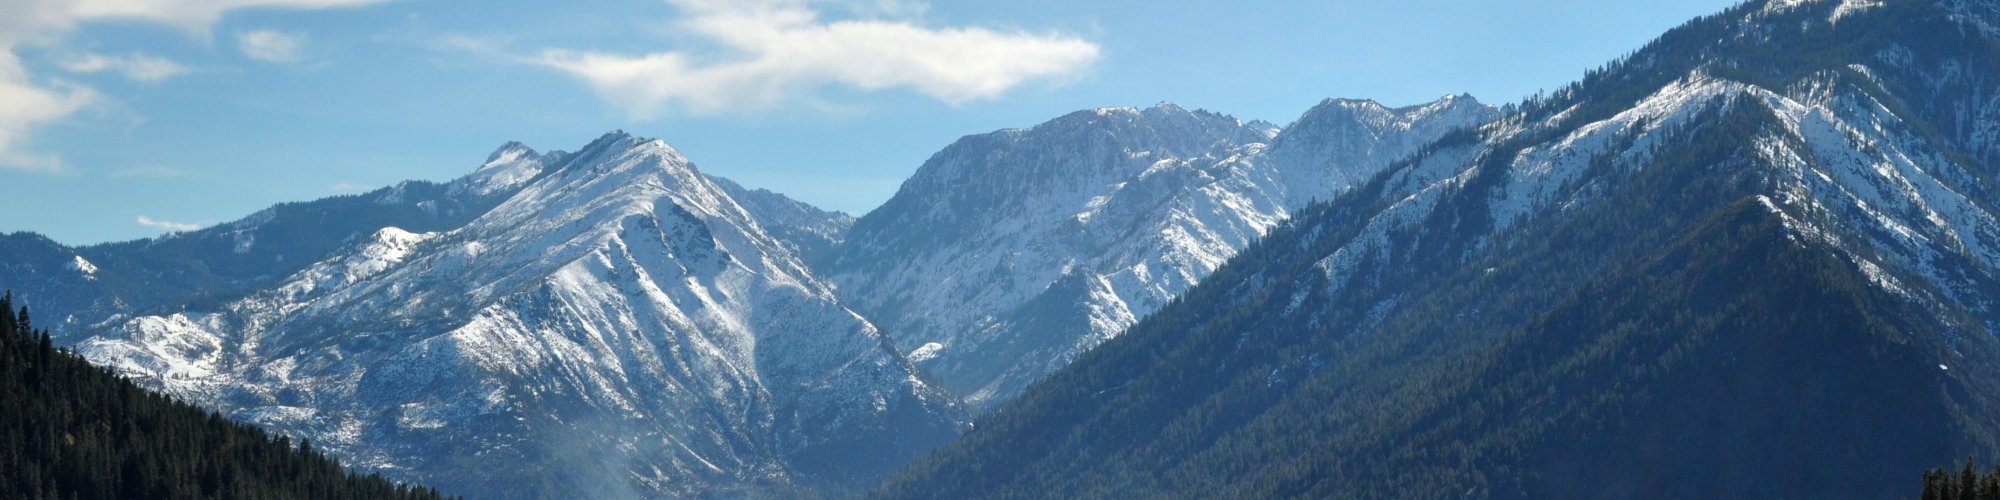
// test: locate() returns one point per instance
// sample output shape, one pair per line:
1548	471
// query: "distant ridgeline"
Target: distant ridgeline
73	430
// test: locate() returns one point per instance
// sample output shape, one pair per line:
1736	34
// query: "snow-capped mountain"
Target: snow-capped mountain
1343	142
1009	253
621	325
72	288
1764	242
625	324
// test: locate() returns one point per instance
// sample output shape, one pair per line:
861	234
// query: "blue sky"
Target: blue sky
122	119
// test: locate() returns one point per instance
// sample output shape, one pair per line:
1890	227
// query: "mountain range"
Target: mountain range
613	322
1009	253
1755	259
1770	226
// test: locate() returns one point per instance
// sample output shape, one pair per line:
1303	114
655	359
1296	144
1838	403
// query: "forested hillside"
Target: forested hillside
1966	484
73	430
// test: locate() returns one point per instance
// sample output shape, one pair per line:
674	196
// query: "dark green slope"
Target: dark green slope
1665	335
70	430
1733	362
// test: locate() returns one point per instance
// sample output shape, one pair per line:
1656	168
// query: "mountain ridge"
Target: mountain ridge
619	320
1397	339
1122	208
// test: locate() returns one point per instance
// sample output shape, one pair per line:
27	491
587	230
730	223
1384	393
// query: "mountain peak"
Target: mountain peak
1167	107
614	135
1346	103
515	164
512	149
510	165
658	149
1459	97
1341	142
618	151
614	140
1099	145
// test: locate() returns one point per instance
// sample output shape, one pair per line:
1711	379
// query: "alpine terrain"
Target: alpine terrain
1009	253
1759	257
75	288
612	322
619	325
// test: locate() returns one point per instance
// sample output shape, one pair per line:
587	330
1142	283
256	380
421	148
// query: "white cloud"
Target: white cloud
777	51
271	46
28	105
30	100
193	15
349	188
137	67
167	225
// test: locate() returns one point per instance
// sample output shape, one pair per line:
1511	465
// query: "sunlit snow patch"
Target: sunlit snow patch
84	266
926	352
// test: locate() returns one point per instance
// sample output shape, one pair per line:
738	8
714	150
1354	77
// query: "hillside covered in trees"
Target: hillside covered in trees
73	430
1967	484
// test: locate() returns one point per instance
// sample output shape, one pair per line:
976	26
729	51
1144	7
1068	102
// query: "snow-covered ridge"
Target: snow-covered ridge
1845	170
1342	142
618	286
1044	242
511	165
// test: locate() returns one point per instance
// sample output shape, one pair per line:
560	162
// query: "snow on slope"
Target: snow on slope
1843	168
621	321
812	233
1009	253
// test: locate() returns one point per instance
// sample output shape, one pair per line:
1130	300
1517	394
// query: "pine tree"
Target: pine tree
1989	487
1934	487
1968	481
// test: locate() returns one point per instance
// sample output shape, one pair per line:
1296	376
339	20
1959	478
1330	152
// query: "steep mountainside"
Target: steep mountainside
1765	241
75	288
619	326
73	430
811	233
1009	253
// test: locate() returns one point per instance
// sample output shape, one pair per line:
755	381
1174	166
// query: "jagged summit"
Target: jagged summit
512	149
1342	142
615	135
1008	254
510	166
1346	108
621	325
1203	127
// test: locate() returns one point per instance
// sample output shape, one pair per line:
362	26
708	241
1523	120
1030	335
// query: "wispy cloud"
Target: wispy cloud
29	105
779	51
30	101
137	67
271	46
167	225
349	188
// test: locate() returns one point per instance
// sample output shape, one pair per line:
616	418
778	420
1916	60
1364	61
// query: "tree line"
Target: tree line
73	430
1968	484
